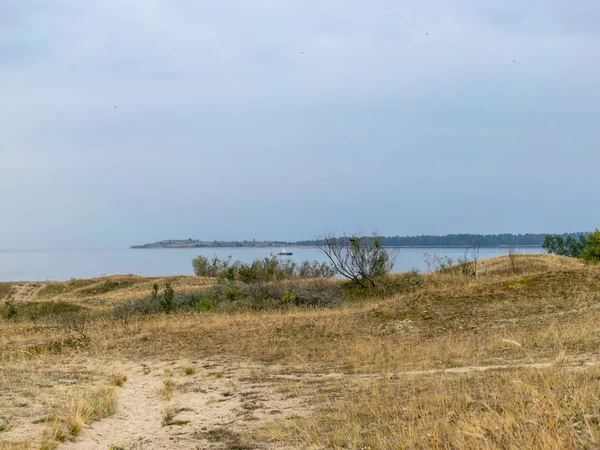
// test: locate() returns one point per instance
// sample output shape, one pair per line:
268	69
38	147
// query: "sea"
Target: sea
65	264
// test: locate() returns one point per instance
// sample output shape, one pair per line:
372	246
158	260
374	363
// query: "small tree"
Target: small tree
360	259
591	253
565	247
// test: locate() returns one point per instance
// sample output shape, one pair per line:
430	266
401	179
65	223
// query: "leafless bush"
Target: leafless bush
360	259
464	265
76	325
512	259
437	263
129	323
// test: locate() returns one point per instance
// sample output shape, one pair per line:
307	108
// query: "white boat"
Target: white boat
284	252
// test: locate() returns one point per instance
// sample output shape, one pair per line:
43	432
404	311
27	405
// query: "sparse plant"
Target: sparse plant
512	259
437	263
155	288
168	416
83	407
189	370
4	424
76	325
168	390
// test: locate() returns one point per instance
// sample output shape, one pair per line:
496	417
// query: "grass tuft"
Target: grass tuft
118	379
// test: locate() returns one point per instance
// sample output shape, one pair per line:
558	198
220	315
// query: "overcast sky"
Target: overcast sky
129	121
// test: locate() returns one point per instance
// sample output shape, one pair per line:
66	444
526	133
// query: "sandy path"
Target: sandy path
219	403
215	408
26	291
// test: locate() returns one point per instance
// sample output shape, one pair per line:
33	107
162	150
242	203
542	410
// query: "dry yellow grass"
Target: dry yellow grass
436	367
68	421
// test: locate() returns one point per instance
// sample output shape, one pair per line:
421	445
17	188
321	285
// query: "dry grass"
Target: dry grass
103	292
83	407
518	408
435	367
118	379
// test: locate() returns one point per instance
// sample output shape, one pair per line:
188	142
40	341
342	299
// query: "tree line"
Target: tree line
462	240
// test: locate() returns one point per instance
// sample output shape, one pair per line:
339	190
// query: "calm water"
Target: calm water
40	265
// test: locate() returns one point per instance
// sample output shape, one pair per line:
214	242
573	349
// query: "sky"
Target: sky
130	121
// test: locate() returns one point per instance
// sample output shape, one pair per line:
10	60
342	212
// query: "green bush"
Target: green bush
210	267
204	304
239	296
166	302
10	311
261	270
591	253
586	246
39	310
231	294
571	246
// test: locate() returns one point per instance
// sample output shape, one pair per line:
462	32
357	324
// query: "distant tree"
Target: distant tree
570	246
592	252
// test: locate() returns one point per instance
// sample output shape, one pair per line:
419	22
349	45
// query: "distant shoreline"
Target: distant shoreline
152	246
460	240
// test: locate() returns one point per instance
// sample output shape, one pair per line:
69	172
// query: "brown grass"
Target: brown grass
436	367
68	421
118	379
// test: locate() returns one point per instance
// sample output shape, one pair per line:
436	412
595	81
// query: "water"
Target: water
41	265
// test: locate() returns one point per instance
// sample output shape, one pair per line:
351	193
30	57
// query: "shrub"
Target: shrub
360	259
261	270
204	304
166	302
315	269
289	297
231	293
210	268
39	310
10	311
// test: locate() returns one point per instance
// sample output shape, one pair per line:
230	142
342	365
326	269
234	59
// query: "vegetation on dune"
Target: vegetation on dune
362	260
437	360
38	310
5	290
591	253
261	270
584	246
